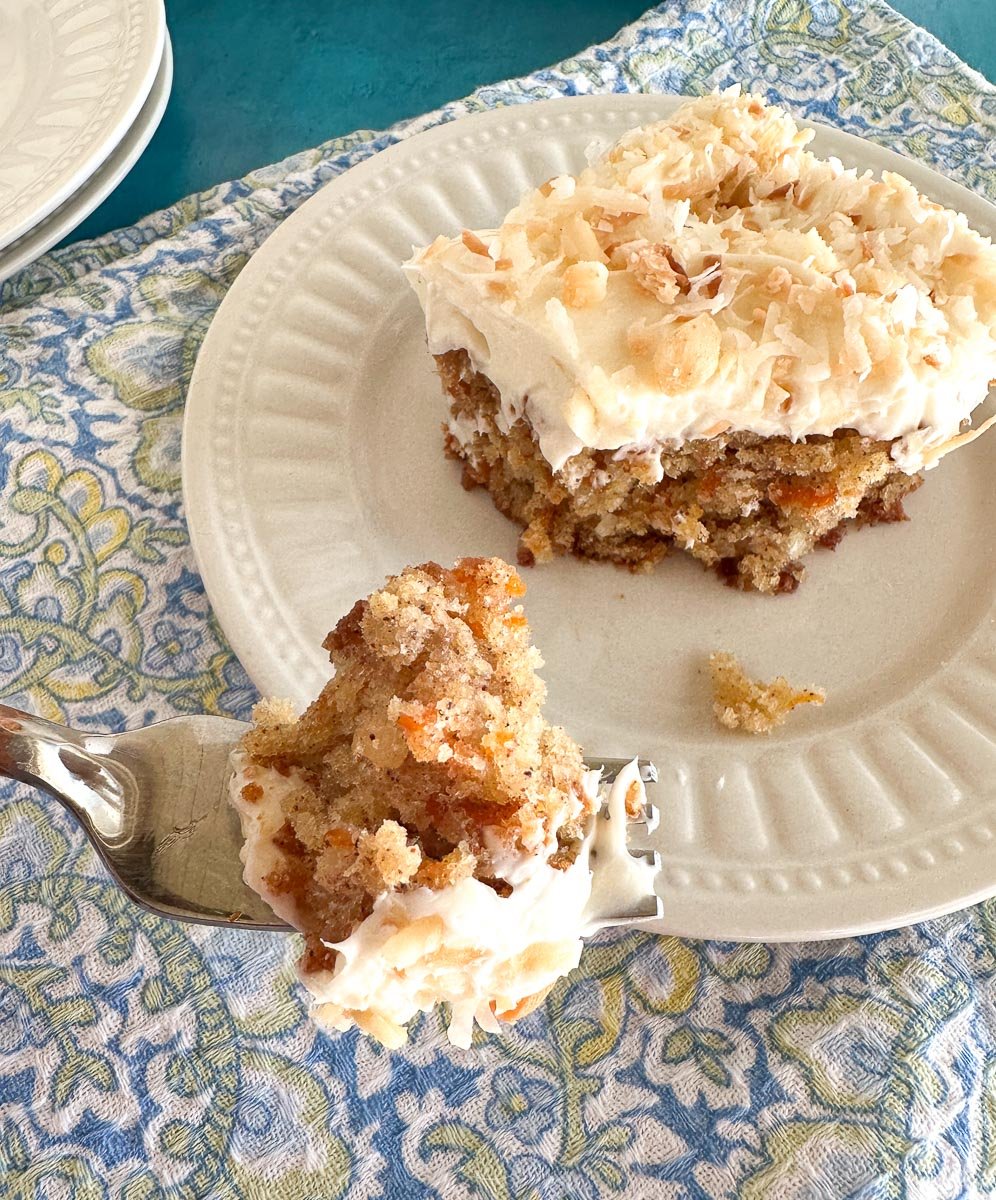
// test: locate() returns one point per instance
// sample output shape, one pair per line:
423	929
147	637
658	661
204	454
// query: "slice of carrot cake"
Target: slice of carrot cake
421	823
710	339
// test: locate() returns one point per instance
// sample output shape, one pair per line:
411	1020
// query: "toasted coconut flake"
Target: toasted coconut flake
474	243
584	284
657	271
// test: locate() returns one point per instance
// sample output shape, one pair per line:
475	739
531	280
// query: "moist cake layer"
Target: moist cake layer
748	507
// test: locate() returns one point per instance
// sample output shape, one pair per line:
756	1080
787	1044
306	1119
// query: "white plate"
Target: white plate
73	76
312	467
78	207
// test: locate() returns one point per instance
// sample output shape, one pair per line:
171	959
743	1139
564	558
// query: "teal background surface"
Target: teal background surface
255	82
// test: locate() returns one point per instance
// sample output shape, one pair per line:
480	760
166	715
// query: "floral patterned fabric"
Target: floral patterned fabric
143	1059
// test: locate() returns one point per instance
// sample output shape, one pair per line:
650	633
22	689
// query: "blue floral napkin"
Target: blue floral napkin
142	1059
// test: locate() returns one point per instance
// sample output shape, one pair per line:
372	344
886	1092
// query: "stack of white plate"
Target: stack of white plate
83	85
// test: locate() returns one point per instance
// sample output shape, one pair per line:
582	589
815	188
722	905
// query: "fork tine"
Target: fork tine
610	768
637	902
647	824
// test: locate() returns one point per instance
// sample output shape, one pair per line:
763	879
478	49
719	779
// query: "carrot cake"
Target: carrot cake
421	823
710	339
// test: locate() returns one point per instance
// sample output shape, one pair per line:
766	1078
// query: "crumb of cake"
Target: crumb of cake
710	341
740	702
422	823
384	857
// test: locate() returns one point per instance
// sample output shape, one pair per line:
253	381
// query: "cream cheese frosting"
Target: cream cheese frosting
709	274
487	955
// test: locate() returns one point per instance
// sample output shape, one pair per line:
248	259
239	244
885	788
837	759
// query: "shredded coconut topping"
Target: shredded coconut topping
711	272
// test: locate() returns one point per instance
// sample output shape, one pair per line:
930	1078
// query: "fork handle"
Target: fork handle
64	763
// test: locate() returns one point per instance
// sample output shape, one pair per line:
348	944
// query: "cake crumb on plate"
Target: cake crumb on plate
740	702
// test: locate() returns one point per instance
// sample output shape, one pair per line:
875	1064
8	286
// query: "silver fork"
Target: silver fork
154	803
